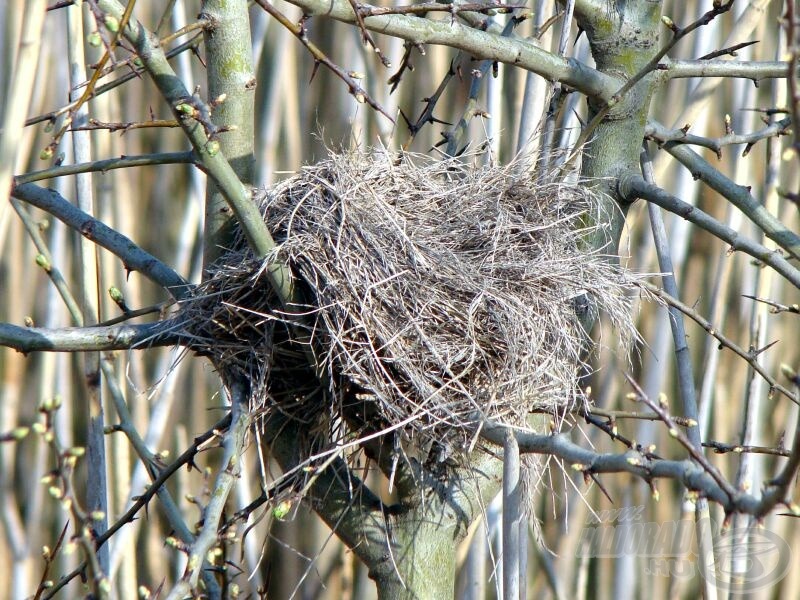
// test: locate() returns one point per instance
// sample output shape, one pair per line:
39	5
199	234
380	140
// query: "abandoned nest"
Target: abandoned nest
434	291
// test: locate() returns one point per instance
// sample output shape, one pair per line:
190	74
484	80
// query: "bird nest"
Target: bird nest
433	291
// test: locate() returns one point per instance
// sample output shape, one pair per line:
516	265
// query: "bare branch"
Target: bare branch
724	340
479	44
209	536
737	195
134	258
210	158
662	135
674	69
359	93
107	164
87	339
632	186
690	474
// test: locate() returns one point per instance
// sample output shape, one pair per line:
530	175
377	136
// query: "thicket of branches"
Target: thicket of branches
133	462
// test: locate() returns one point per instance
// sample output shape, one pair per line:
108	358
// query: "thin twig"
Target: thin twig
299	31
725	341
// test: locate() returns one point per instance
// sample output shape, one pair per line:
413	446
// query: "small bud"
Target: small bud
360	98
656	496
137	62
94	39
667	21
112	23
116	294
635	461
185	108
46	552
282	509
673	432
578	467
46	154
98	515
50	404
56	492
144	592
19	433
212	147
356	74
28	321
39	428
42	261
76	451
788	372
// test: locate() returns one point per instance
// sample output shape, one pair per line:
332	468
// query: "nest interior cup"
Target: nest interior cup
434	290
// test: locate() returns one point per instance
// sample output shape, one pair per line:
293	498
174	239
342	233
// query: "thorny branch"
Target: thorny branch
691	474
156	487
299	31
631	186
137	71
107	164
662	135
678	33
661	408
748	355
134	258
792	27
110	25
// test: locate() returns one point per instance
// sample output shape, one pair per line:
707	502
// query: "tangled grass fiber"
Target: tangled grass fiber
434	291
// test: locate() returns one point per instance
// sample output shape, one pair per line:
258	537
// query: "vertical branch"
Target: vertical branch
203	547
555	91
752	466
19	93
683	361
684	365
533	100
96	494
230	74
512	518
